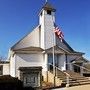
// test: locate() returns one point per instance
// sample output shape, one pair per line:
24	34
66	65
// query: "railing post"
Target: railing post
47	71
56	71
67	78
81	70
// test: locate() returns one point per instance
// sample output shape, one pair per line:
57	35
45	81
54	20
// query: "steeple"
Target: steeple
46	21
47	9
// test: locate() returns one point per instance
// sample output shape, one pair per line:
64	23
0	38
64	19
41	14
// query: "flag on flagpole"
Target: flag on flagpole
58	33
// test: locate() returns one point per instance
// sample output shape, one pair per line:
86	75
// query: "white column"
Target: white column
45	67
62	62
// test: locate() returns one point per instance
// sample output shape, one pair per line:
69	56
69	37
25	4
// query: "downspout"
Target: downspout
66	61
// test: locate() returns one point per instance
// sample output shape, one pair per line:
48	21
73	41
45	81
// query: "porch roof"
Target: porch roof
61	50
79	60
31	69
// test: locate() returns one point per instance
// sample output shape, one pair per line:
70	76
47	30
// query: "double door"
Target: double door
31	79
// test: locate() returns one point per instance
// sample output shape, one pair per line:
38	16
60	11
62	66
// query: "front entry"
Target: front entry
31	76
30	79
77	68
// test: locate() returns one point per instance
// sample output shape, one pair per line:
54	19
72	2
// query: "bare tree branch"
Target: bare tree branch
2	58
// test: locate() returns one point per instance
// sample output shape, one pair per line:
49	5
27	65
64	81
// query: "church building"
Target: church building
37	56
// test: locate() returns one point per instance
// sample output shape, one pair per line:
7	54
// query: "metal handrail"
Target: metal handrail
79	66
68	77
56	68
71	64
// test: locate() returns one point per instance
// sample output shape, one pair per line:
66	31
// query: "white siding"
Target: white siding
12	66
6	69
28	60
47	27
62	62
45	62
49	34
42	30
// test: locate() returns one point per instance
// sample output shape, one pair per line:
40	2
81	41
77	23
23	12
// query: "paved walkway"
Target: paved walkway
82	87
60	89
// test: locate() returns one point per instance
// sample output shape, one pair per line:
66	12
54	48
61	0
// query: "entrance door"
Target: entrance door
77	68
31	79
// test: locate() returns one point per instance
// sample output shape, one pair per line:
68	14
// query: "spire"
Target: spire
48	6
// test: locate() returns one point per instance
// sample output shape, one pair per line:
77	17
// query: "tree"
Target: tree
2	58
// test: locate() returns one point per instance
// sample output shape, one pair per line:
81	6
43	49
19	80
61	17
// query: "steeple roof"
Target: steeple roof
48	6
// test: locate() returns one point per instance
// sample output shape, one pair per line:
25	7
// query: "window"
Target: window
50	59
41	14
1	69
49	12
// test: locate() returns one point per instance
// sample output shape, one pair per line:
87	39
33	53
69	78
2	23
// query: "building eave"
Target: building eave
29	50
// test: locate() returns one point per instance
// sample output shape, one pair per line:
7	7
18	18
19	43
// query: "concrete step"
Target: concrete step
76	79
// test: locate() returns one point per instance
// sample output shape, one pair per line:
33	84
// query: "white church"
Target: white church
32	59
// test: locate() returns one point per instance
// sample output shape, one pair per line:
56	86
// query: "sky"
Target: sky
19	17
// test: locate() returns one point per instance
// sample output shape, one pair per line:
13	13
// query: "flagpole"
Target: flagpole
53	51
54	57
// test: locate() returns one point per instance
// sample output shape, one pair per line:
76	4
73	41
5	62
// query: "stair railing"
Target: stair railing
67	76
50	68
82	68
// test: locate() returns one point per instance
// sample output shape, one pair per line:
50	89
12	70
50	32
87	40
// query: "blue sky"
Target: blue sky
18	17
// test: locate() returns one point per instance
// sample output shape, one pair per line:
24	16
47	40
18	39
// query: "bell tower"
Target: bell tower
46	20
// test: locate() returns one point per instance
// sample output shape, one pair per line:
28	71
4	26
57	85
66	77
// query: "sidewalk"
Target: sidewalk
82	87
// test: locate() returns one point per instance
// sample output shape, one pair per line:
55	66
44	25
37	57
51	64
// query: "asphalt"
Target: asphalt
82	87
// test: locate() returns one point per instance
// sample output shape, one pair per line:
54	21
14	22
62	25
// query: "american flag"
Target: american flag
58	33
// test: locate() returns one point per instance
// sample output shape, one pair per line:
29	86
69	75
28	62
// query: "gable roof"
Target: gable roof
65	46
31	39
56	50
79	60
